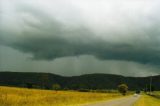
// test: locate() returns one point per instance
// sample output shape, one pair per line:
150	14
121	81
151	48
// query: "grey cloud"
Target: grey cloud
13	60
51	48
45	37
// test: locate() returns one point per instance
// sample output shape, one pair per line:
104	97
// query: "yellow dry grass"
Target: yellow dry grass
146	100
10	96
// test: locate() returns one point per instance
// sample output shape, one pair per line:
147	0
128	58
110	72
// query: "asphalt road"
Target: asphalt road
127	101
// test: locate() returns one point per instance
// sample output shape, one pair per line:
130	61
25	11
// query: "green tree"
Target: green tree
56	87
123	88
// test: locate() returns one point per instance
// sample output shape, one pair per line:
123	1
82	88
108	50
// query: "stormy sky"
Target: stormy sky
74	37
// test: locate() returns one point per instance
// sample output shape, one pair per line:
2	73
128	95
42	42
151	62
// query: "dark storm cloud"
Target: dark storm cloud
48	36
51	48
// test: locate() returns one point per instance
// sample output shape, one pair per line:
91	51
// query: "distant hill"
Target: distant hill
88	81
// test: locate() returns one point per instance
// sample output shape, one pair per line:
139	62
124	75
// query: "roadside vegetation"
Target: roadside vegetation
11	96
147	100
123	88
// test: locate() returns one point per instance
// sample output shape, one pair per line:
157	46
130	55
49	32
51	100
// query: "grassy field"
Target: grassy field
147	100
10	96
157	93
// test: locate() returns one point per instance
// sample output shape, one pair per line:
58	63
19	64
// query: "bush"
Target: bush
123	88
56	86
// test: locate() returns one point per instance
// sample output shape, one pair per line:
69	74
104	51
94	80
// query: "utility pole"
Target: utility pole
150	84
146	89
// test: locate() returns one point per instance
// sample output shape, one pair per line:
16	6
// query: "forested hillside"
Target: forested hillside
88	81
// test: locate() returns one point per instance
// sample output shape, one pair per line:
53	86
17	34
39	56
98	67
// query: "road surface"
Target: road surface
127	101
